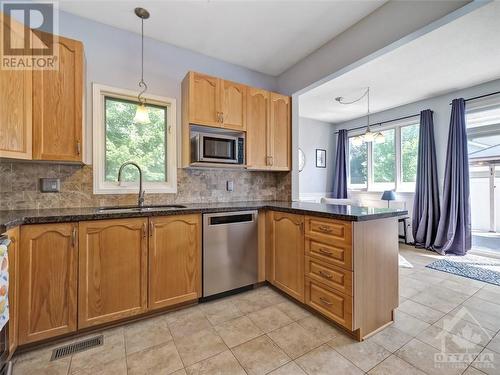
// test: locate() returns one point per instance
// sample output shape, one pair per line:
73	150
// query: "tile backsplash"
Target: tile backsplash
19	187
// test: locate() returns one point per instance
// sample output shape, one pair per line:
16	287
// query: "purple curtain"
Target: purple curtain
454	229
426	204
340	175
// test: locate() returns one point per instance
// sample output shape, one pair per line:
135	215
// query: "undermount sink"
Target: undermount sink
139	209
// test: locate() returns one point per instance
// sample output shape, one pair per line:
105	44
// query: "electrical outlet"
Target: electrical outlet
50	185
229	185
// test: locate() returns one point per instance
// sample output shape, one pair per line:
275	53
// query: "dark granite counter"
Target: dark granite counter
9	219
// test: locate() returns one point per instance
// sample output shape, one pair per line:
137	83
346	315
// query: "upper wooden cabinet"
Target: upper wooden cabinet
48	260
280	132
57	105
258	106
112	270
174	260
234	97
286	245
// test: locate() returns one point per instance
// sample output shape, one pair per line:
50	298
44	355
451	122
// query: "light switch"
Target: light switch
229	185
50	185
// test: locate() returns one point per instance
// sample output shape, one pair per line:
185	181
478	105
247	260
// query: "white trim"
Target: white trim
105	187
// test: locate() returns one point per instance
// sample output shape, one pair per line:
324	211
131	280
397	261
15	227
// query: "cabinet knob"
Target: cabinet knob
78	148
326	275
73	237
325	228
324	251
324	301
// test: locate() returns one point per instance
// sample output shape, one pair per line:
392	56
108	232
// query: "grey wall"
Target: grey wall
313	134
113	58
387	24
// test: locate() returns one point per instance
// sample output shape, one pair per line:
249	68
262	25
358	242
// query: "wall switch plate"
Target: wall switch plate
50	185
229	185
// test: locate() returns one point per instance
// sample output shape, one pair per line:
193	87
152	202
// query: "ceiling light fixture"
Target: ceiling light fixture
141	114
369	136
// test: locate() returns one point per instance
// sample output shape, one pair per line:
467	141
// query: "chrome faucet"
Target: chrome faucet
140	201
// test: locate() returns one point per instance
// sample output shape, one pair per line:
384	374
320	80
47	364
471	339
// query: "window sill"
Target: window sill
149	189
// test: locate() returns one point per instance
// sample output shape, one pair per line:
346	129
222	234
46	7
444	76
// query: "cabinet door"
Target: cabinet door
204	100
15	105
258	105
174	260
280	138
47	281
112	270
13	258
287	253
57	105
234	98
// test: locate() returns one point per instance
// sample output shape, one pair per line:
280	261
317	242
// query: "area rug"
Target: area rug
403	263
470	266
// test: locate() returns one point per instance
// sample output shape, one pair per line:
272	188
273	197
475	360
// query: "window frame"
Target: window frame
399	185
101	186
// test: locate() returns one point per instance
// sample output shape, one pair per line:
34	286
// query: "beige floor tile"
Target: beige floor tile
184	324
494	344
395	366
421	312
199	346
423	356
145	334
476	315
472	371
41	366
486	306
320	328
182	315
270	318
221	364
294	339
260	355
408	324
449	343
257	299
365	355
162	359
112	349
180	372
291	368
464	328
489	294
441	300
220	311
293	310
238	331
325	361
116	367
488	362
391	338
461	287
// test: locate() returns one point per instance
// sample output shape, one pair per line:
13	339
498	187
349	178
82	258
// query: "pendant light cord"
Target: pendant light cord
142	83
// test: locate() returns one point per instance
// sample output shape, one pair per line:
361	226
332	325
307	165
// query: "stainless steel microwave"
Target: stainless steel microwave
217	148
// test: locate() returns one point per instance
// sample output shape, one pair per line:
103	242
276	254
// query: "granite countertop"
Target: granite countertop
9	219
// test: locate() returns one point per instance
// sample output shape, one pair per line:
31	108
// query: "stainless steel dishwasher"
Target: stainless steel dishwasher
229	251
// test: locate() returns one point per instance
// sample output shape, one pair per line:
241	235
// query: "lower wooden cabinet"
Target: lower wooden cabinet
13	258
286	245
112	270
174	260
48	260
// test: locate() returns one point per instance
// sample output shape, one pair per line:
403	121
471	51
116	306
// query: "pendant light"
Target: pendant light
141	114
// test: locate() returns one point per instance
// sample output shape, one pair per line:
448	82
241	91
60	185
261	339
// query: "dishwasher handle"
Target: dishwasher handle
231	219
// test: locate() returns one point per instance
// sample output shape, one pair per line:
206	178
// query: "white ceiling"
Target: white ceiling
460	54
266	36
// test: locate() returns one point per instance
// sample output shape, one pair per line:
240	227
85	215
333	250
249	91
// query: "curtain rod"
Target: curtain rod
380	123
482	96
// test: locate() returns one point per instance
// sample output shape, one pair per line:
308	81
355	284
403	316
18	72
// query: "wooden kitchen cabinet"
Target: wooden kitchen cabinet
112	270
48	256
202	99
13	258
234	112
258	105
174	260
280	132
57	105
286	245
15	105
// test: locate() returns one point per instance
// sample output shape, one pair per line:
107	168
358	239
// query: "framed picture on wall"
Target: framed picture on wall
320	158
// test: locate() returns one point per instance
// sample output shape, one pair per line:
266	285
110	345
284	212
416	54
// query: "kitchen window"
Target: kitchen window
390	165
118	139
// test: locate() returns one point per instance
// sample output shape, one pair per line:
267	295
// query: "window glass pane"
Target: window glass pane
126	140
384	158
409	152
358	162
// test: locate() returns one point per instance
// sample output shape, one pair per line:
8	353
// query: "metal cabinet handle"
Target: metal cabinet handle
144	230
324	301
324	228
326	275
222	117
73	237
324	251
78	148
151	227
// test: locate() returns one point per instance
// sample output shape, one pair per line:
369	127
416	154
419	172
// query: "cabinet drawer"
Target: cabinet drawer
334	305
339	255
332	232
332	276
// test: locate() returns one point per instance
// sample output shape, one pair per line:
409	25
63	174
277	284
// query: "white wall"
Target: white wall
113	58
316	182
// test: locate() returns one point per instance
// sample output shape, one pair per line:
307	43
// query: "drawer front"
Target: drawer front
332	232
332	276
333	254
333	305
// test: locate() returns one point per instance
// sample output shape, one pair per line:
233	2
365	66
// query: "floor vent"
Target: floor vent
76	347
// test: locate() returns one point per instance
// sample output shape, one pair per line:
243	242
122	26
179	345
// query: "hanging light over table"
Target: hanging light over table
141	114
